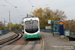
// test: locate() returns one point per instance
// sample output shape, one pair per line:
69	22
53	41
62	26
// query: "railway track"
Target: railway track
32	45
36	44
8	39
30	48
23	46
11	40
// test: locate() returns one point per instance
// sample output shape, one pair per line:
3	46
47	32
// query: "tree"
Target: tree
47	14
59	13
17	26
14	26
1	26
70	24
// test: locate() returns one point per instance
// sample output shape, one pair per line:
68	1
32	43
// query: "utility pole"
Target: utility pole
9	21
4	23
69	25
27	15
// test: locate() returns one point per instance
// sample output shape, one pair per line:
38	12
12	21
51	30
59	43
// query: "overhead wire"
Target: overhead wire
9	3
15	8
30	3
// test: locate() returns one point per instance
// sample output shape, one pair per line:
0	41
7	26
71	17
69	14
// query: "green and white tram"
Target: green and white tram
31	27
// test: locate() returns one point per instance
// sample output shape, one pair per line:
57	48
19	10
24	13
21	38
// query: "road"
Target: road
50	43
7	35
56	43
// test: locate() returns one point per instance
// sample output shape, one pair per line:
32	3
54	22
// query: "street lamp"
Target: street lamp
69	25
9	20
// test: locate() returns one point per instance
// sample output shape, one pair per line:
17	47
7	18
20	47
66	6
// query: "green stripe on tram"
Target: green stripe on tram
32	36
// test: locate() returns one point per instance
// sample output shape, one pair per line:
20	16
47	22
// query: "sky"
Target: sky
24	7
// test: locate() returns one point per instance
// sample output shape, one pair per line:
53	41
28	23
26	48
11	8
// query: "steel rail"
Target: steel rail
9	39
12	41
33	45
42	43
22	46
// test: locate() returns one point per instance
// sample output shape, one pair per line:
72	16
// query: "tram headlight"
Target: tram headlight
38	32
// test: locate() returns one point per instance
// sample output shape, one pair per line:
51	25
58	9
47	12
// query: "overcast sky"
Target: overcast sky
25	7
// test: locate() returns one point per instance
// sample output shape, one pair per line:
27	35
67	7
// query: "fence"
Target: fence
16	30
45	30
2	32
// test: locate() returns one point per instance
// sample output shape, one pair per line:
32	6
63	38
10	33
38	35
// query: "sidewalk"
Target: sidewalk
6	35
56	43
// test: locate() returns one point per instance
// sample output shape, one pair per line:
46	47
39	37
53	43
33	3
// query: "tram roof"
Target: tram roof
31	17
28	18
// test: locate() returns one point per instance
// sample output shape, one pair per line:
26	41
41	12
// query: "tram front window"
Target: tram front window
31	26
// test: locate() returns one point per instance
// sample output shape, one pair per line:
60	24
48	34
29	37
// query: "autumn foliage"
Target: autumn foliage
47	14
1	27
70	25
13	26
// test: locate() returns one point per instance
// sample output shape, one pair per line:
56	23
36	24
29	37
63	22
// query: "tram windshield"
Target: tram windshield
31	26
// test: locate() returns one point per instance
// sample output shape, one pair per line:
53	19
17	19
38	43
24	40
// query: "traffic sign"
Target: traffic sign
49	21
48	27
67	33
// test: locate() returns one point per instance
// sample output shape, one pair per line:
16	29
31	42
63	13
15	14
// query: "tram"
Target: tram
31	27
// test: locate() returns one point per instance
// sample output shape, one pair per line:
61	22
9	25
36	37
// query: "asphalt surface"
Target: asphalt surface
56	43
7	35
19	43
50	43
